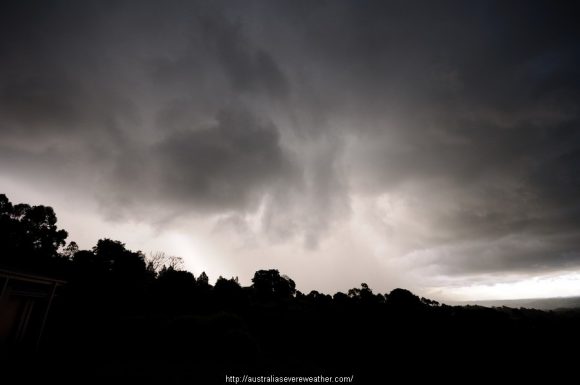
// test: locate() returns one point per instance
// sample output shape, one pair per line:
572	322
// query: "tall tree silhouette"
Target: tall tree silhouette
110	273
29	237
269	284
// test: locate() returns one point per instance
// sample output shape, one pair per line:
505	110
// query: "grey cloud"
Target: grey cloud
224	167
511	254
53	84
224	164
310	209
476	103
247	69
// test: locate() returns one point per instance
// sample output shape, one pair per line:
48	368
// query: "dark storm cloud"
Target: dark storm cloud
247	69
471	109
512	254
49	74
69	76
484	97
224	167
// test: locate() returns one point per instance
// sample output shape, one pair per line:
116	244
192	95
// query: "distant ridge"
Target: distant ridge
530	303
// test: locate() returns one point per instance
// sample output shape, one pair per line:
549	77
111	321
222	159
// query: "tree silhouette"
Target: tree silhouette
124	265
269	284
229	292
203	280
29	236
158	260
404	299
175	290
223	285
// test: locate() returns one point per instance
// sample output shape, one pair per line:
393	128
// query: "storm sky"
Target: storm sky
428	145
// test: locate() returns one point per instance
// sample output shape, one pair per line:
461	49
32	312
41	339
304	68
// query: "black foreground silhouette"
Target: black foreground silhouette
112	315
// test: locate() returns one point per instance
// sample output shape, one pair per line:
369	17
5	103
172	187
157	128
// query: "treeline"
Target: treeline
143	319
31	242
